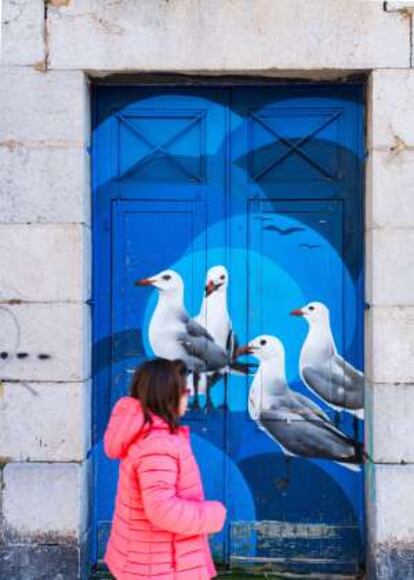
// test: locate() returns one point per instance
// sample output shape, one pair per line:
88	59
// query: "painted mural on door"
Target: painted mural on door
228	233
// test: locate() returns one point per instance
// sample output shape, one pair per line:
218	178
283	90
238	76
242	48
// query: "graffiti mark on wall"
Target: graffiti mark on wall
11	339
22	355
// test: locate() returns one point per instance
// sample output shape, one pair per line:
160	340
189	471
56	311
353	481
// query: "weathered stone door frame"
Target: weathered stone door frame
52	51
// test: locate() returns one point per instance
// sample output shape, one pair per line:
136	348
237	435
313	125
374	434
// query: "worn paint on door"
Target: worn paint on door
246	204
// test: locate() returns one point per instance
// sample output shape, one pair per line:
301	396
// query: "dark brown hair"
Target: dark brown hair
158	384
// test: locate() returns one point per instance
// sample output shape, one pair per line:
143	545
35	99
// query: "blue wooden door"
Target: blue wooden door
266	184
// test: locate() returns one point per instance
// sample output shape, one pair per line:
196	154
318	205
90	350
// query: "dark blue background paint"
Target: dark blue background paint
187	178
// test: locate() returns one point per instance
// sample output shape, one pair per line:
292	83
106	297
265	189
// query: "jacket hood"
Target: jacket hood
126	426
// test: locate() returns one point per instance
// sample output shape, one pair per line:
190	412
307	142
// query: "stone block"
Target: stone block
269	36
42	502
39	109
399	6
45	421
40	562
389	423
390	266
44	184
390	189
391	114
390	344
45	342
47	263
394	505
23	32
392	561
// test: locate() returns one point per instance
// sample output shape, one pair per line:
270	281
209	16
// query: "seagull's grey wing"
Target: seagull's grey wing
310	411
195	329
337	382
308	408
195	364
353	378
305	437
330	382
205	349
319	380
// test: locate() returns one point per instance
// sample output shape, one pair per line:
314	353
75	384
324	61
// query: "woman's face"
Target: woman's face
184	402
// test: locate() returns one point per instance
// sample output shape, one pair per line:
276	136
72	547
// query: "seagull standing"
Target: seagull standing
214	314
214	317
323	370
295	422
174	335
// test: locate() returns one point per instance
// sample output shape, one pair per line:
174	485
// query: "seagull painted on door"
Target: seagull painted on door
293	421
325	372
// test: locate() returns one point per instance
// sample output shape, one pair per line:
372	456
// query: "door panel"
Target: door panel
146	240
297	248
156	206
296	207
266	181
292	259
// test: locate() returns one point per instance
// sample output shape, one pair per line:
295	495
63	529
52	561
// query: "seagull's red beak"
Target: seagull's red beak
210	287
144	282
297	312
244	350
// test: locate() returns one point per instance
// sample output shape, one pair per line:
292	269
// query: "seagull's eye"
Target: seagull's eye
311	308
166	277
263	342
222	277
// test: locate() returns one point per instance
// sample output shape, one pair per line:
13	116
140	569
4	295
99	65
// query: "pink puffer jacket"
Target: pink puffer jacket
161	519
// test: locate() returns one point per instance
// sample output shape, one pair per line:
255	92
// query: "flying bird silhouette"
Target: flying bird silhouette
283	231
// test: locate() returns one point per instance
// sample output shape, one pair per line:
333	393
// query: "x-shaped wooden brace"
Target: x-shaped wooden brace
163	148
295	147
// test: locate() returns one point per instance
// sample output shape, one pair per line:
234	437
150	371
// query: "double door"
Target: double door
265	182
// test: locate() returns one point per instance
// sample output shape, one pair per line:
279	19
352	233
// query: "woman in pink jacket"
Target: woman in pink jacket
161	519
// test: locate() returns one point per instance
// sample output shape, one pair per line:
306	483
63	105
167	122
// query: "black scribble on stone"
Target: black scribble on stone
309	246
30	388
22	355
43	356
284	231
4	355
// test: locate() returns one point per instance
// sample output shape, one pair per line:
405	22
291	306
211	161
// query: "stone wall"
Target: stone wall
50	54
390	322
45	397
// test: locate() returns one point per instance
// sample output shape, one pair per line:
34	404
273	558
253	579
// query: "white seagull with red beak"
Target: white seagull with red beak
294	421
173	334
214	314
323	370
